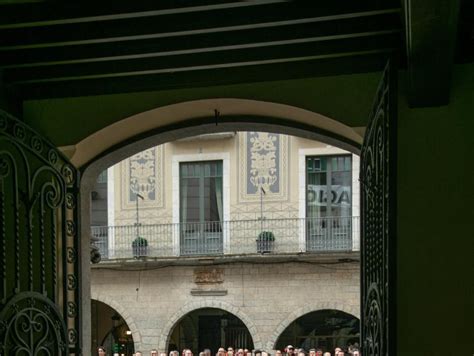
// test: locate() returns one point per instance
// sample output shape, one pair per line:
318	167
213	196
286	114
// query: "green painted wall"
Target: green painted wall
9	100
346	98
436	224
3	99
435	188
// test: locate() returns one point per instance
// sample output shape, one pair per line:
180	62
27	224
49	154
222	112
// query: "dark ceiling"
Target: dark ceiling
60	49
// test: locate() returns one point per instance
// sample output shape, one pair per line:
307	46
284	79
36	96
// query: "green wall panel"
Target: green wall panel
436	224
435	285
66	121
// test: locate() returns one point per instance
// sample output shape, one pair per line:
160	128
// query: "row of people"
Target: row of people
288	351
352	350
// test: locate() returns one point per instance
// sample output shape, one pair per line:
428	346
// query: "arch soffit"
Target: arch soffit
124	130
123	313
290	318
193	306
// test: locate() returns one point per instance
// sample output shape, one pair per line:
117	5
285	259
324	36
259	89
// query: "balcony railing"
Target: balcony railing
236	237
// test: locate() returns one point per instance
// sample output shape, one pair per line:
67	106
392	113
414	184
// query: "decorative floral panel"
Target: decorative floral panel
263	166
143	174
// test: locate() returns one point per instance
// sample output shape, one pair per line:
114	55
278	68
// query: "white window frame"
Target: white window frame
111	211
176	160
327	151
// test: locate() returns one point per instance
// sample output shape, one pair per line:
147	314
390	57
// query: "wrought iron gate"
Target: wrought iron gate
39	264
378	204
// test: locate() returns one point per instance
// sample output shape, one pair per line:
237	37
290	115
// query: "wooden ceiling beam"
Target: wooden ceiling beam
72	49
196	61
170	26
317	32
49	14
356	63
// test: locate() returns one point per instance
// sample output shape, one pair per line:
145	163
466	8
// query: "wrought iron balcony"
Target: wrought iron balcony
236	237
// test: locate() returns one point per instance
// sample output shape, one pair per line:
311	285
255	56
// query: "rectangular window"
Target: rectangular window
201	207
329	202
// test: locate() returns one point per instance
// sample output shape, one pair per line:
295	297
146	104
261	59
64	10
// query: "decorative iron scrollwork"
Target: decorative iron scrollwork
374	322
71	309
38	202
71	228
68	174
19	132
71	282
28	328
377	176
70	201
36	143
3	123
53	157
4	168
72	336
71	255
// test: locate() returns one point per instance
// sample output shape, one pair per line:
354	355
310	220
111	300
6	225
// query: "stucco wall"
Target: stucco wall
288	203
266	297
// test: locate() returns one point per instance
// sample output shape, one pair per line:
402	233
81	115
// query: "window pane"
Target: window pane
212	199
189	200
324	162
347	166
201	192
317	164
328	203
340	164
316	191
329	198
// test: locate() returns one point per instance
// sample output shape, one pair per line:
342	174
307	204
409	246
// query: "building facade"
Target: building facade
258	227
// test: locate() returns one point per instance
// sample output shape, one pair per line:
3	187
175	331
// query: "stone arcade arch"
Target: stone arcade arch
340	309
123	313
118	141
295	315
164	337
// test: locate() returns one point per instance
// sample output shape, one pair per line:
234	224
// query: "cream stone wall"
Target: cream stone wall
163	210
266	297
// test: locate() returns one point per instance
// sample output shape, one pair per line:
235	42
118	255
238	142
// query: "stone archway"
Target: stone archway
190	118
118	141
163	338
290	318
123	312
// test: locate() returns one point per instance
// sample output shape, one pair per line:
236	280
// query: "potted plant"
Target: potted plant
265	242
140	247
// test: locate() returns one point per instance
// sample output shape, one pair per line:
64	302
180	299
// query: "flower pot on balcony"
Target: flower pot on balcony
265	242
140	247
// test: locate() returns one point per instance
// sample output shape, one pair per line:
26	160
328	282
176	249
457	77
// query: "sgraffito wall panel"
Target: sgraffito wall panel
142	174
263	164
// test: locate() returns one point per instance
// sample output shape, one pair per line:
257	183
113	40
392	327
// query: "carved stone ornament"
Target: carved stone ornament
208	275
